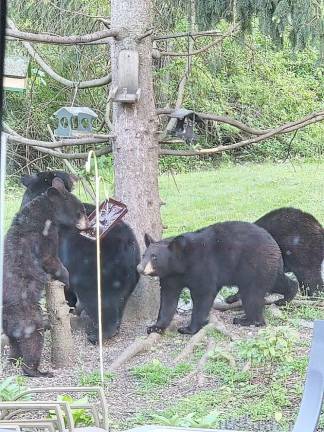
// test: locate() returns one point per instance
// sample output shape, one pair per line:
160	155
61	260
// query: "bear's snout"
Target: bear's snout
146	269
83	223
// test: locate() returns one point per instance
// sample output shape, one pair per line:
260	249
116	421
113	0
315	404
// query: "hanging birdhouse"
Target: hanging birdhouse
128	90
16	73
74	121
184	127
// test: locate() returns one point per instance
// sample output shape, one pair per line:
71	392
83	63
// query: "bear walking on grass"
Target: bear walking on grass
301	240
223	254
30	260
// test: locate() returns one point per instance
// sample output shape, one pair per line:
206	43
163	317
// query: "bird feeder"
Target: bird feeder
74	121
184	127
128	90
16	73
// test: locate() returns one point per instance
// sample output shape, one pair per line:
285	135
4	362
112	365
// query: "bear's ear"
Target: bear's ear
58	184
148	240
178	244
28	180
73	178
54	194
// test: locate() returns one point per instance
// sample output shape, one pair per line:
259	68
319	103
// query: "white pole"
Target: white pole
3	154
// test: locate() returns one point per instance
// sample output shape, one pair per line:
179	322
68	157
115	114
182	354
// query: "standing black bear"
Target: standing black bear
30	258
228	253
301	240
120	256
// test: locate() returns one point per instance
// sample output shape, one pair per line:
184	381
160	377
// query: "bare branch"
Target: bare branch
286	128
13	136
219	39
189	34
100	152
61	40
46	68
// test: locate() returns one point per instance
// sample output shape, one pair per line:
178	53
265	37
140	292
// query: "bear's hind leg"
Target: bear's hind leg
31	349
287	287
253	305
15	353
233	298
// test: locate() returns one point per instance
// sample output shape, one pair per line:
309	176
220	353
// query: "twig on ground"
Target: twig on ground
215	324
138	346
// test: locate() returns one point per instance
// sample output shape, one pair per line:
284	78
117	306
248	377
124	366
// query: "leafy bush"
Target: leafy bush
11	387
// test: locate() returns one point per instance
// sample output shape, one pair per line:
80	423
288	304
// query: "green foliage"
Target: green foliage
271	346
209	421
300	19
94	379
11	387
81	417
157	374
224	372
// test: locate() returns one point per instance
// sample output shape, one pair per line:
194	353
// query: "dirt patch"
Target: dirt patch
126	397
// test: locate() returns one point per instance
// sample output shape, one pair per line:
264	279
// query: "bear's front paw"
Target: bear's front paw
154	329
246	322
186	330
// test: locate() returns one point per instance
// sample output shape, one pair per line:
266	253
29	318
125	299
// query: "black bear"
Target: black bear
228	253
301	240
30	259
120	256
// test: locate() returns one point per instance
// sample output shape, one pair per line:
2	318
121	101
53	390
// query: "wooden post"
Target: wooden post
59	318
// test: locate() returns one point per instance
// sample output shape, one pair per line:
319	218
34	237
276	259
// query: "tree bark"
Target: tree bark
59	318
135	148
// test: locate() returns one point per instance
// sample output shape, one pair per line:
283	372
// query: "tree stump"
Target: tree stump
59	318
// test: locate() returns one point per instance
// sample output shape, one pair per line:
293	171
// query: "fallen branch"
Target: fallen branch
46	68
137	347
198	372
215	324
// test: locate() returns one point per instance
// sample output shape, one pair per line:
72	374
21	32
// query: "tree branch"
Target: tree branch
232	31
286	128
46	68
189	34
61	40
13	136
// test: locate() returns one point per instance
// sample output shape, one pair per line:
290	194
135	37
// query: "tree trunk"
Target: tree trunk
59	318
135	148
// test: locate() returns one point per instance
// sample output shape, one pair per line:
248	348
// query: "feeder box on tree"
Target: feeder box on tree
184	127
16	73
128	90
74	121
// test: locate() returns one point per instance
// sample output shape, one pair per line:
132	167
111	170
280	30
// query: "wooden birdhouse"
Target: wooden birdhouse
128	90
16	73
74	121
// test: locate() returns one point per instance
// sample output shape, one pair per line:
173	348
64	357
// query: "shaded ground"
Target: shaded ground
135	395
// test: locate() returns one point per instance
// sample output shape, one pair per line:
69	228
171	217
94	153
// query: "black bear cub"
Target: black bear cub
30	260
228	253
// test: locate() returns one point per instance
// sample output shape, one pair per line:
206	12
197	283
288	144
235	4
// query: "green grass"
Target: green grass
240	193
94	379
235	192
155	373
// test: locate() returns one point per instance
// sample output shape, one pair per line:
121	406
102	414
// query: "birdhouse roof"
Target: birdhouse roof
16	66
75	111
180	113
